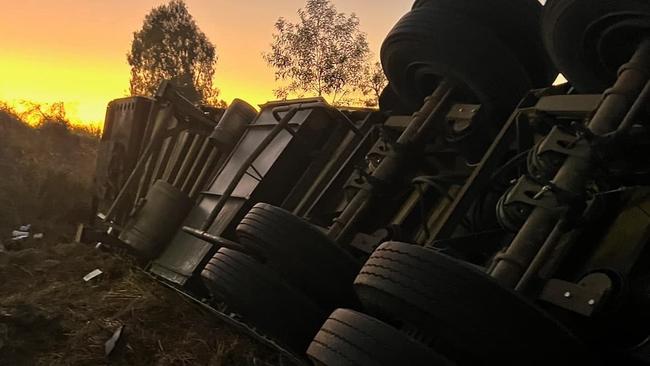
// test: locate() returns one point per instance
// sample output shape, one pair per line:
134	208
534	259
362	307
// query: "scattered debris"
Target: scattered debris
23	233
52	320
110	345
19	233
38	236
92	274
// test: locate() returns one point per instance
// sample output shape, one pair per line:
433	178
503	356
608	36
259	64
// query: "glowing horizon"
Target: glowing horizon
74	51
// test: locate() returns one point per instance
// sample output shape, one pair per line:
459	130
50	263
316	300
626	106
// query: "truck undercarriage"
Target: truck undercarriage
481	216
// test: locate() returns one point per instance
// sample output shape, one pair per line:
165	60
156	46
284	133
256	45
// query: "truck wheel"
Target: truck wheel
349	338
427	45
462	307
573	29
515	23
303	255
389	102
255	292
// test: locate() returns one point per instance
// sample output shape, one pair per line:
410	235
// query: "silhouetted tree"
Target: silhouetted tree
323	53
373	82
170	46
42	114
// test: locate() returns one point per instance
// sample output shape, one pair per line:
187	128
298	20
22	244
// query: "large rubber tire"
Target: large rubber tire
564	27
303	255
427	45
390	102
349	338
462	307
262	298
515	23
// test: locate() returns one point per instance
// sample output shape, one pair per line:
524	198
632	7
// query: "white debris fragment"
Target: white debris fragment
16	233
38	236
110	345
25	228
92	274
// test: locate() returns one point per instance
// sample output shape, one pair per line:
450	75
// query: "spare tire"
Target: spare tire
302	254
515	23
349	338
463	307
427	45
566	28
255	292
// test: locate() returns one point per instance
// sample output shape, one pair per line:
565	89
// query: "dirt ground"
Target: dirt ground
48	314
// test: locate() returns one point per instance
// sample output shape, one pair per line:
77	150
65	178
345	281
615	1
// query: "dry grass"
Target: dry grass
48	314
52	317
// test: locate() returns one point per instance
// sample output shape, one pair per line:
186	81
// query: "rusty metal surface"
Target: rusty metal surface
120	146
158	155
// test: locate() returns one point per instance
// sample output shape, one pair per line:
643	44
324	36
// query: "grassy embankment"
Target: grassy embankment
48	314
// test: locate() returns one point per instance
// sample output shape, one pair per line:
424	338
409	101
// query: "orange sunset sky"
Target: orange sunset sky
75	50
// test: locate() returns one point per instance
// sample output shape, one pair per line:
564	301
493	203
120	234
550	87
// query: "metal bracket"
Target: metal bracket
362	178
564	143
398	122
585	297
575	106
367	243
463	111
221	242
460	117
378	153
532	193
186	111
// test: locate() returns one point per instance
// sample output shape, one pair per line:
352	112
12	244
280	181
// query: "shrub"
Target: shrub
46	173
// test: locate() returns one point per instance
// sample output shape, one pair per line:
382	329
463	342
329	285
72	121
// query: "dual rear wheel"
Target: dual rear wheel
460	308
421	299
495	56
491	50
589	40
299	278
350	338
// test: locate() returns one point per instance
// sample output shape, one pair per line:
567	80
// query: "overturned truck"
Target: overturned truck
481	216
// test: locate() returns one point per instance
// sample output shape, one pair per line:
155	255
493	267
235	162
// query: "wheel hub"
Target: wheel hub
611	40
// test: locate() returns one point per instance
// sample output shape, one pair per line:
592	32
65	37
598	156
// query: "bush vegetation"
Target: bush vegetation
48	315
46	168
